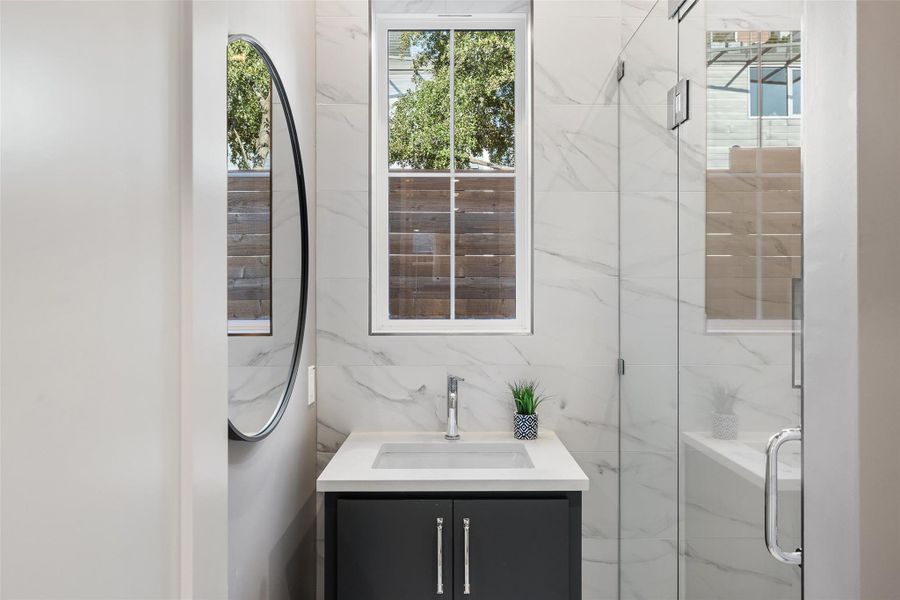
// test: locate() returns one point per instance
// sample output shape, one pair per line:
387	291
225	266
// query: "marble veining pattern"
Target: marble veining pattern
649	569
599	569
649	491
344	256
575	248
340	77
741	566
600	519
575	149
342	135
649	409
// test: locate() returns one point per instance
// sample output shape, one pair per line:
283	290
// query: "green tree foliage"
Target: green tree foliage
484	82
249	86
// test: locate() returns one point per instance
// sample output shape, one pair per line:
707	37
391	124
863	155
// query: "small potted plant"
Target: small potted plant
527	398
724	420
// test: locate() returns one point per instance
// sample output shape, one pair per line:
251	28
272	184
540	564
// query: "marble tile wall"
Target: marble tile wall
649	307
398	382
724	553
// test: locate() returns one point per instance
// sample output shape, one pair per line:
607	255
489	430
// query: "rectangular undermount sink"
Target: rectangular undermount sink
452	455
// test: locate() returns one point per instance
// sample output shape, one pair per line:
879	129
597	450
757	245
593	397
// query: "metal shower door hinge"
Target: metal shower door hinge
620	70
621	366
679	103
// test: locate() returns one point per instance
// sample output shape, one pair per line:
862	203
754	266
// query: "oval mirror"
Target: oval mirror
267	243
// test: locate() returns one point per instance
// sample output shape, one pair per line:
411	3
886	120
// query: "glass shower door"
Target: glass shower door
648	217
739	290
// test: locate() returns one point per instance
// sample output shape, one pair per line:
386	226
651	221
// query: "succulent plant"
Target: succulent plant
526	396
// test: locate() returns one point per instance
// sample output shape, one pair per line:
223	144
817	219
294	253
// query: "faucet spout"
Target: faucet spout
452	407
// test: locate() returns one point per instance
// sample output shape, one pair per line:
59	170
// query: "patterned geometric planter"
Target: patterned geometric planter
725	426
525	427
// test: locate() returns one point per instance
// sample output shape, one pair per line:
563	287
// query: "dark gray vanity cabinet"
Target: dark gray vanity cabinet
460	546
518	549
388	549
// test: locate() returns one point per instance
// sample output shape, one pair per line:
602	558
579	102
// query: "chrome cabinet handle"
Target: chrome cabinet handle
467	589
793	434
440	556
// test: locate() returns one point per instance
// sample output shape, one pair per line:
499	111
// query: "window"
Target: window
451	229
754	197
249	135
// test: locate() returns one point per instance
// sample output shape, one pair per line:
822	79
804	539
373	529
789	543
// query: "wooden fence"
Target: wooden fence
419	246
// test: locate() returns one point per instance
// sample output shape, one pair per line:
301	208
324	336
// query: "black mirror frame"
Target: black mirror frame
233	432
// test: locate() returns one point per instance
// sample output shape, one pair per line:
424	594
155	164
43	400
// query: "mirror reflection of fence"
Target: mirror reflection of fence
754	202
249	252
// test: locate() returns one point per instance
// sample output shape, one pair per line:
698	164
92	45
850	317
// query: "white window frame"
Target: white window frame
380	321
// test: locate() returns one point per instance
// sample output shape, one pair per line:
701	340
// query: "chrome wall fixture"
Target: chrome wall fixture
678	101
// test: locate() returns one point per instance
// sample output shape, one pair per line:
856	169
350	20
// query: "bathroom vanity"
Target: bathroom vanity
411	516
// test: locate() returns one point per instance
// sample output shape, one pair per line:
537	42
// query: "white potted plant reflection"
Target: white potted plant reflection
724	419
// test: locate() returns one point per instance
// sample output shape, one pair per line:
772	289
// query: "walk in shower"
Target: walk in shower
710	294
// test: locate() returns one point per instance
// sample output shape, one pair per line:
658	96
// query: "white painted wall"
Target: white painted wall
113	449
92	155
271	484
879	298
831	377
204	516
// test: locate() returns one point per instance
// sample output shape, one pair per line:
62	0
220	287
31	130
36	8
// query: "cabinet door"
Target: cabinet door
388	549
517	549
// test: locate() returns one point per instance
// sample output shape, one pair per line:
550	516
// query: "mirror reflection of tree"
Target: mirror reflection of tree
249	86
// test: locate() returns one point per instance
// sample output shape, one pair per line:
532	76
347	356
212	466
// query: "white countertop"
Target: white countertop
351	469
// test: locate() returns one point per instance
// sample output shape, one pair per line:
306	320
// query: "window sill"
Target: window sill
249	327
459	327
754	326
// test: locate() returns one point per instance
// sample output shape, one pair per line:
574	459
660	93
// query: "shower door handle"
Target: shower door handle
793	434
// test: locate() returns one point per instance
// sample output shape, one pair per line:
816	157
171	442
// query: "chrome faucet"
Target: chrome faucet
452	407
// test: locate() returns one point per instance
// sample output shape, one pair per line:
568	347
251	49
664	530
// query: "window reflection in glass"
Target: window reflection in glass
771	84
754	200
796	90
